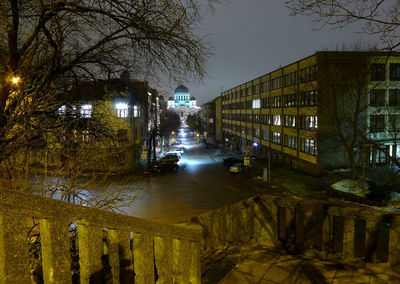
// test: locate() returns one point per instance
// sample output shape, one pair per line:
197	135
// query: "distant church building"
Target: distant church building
182	98
182	103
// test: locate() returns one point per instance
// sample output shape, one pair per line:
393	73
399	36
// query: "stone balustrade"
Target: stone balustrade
327	230
138	251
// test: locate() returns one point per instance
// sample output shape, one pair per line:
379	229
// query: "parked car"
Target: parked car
178	150
231	160
169	158
164	167
236	168
173	152
177	142
210	145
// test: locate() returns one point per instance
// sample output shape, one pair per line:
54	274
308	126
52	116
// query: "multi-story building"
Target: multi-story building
211	120
287	112
124	111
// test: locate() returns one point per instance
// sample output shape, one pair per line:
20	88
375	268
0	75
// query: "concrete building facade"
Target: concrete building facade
285	113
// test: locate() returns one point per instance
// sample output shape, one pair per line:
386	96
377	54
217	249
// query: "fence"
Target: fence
122	248
324	229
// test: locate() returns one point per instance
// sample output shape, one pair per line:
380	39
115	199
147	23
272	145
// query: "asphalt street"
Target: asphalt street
201	183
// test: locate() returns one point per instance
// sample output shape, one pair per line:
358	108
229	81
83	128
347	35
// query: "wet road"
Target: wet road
200	184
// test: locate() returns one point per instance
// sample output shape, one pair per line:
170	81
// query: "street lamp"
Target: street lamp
15	80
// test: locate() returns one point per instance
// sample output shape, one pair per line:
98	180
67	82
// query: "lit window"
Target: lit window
136	112
257	103
62	110
276	119
86	110
122	110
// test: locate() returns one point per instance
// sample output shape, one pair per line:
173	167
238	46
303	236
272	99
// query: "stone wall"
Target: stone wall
323	229
110	246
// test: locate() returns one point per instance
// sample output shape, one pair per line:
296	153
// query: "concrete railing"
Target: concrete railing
136	250
323	229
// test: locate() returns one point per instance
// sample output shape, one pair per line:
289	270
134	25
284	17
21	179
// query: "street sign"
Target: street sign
246	161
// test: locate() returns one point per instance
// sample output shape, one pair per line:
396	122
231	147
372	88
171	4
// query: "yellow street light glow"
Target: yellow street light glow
15	80
173	132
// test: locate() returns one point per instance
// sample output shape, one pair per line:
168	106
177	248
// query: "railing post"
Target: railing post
56	257
14	252
143	258
113	254
90	240
163	259
195	264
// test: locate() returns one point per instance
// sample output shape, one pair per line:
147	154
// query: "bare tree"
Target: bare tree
45	45
343	79
378	17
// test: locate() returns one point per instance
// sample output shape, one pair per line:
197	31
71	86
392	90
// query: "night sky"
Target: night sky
253	37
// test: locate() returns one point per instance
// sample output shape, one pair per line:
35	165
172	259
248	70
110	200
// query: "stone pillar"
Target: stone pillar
113	254
348	237
56	256
163	259
90	241
195	264
143	258
14	252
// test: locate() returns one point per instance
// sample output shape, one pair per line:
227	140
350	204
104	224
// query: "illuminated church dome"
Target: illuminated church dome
181	89
182	98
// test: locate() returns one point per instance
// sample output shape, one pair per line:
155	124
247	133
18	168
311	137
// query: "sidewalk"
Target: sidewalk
256	264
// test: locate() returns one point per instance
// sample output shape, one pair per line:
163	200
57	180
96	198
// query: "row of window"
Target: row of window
306	75
85	110
377	97
378	72
308	146
309	122
377	123
308	98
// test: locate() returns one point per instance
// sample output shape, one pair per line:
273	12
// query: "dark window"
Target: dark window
377	72
308	74
266	119
290	100
265	86
265	103
394	72
394	122
394	97
290	141
308	98
277	83
377	98
377	123
291	79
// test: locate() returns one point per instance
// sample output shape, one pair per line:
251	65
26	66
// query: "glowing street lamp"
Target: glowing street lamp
15	80
173	132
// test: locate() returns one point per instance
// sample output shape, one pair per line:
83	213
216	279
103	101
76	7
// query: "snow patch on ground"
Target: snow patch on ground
357	187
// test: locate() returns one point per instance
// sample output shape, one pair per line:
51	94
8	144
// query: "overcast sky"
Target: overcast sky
254	37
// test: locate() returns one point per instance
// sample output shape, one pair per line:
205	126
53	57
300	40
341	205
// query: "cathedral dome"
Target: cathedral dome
192	98
181	89
170	98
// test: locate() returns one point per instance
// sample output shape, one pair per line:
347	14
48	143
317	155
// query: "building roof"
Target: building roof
192	98
181	89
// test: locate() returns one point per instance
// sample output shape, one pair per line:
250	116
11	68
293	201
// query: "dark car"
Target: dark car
177	142
169	158
231	160
210	145
163	167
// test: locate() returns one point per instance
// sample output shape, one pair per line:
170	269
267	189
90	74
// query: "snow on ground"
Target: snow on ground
357	187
